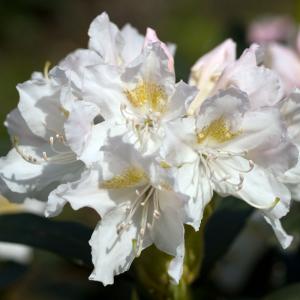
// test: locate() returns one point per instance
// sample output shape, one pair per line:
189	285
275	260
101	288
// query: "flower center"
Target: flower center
218	131
129	178
148	95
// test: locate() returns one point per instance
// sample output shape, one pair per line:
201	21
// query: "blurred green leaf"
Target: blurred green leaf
291	292
67	239
222	228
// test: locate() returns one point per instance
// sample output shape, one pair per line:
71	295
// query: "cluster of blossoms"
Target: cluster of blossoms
109	128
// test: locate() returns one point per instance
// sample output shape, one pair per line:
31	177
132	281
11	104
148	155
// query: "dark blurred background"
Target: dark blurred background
35	31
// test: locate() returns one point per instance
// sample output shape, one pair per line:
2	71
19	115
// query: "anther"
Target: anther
156	214
45	156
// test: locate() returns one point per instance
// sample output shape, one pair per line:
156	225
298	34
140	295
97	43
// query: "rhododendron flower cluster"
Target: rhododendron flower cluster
110	128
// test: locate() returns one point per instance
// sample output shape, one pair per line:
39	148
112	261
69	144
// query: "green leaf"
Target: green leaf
67	239
291	292
222	228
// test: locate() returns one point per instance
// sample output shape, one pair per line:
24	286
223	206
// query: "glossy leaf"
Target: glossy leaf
222	228
67	239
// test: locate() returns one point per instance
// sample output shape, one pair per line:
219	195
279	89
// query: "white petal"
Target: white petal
206	71
290	111
262	85
175	268
291	179
19	175
23	177
85	192
40	107
178	135
284	239
183	95
273	216
151	38
17	127
191	179
79	126
279	157
133	43
75	63
112	254
97	139
106	39
263	136
286	63
168	232
259	187
102	86
213	63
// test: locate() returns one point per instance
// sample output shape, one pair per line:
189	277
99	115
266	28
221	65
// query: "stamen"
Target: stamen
147	93
148	192
142	230
45	156
62	157
156	212
46	69
208	156
27	157
218	130
147	197
141	123
132	209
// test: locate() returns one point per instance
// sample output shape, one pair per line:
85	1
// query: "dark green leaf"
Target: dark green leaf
222	228
67	239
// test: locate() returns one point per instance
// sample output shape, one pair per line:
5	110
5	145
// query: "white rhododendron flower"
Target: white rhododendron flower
262	85
110	129
136	104
137	208
226	137
41	156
